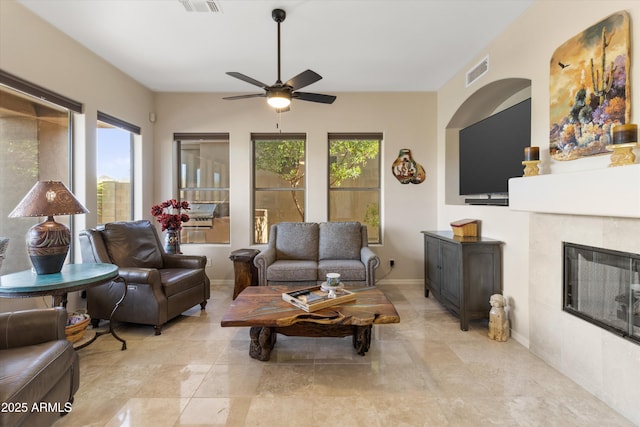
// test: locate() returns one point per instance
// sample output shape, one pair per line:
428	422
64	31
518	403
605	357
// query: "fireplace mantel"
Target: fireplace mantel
610	192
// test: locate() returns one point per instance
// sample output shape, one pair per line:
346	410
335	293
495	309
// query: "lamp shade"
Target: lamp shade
48	242
48	198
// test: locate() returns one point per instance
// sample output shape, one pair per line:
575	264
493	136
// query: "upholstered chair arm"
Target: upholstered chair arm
371	262
29	327
184	261
92	247
142	276
262	261
146	277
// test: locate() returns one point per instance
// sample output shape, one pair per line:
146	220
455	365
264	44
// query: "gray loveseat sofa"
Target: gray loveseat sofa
304	252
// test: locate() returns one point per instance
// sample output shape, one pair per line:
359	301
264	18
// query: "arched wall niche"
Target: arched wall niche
484	102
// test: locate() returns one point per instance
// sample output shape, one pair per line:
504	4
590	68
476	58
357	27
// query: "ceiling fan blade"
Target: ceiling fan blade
247	79
314	97
303	79
253	95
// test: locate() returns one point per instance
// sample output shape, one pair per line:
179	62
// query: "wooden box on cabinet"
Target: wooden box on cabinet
462	273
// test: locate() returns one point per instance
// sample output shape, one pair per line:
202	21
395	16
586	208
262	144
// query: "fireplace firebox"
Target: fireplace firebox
602	286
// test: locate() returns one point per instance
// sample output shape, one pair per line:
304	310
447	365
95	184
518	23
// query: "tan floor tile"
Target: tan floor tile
174	381
423	371
230	381
152	412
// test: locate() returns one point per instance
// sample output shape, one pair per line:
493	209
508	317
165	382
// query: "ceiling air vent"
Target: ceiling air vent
200	6
478	71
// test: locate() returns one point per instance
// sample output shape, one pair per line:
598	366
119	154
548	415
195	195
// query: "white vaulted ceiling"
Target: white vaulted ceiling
356	45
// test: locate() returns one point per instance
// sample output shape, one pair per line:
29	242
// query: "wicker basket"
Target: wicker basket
75	331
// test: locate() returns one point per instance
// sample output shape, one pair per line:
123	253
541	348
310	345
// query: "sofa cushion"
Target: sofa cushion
297	241
132	244
349	269
340	240
292	271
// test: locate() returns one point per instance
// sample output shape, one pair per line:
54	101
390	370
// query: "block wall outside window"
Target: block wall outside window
34	145
354	180
278	181
114	167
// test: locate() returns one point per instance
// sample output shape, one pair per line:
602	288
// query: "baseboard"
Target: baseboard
387	281
222	282
400	282
521	339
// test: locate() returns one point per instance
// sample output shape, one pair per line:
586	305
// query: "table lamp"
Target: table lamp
48	242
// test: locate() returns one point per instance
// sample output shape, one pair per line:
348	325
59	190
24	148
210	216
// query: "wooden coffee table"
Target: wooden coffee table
262	309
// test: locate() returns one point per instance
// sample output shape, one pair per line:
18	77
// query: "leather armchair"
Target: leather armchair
160	286
37	366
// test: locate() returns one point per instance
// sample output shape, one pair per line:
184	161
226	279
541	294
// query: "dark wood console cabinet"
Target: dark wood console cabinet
462	273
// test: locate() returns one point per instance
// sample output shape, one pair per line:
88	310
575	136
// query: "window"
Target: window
204	183
35	144
114	166
278	181
354	180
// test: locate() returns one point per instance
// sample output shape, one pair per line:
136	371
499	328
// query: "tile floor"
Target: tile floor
423	371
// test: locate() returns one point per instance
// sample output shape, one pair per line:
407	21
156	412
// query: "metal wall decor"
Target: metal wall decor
407	170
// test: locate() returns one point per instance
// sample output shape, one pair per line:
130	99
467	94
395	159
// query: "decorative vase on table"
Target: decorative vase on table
172	241
169	214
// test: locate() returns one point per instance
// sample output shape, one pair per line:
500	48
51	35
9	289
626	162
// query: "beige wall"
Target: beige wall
38	53
524	51
407	120
35	51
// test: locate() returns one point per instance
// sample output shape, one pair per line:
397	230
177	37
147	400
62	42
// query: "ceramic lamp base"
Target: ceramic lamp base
48	246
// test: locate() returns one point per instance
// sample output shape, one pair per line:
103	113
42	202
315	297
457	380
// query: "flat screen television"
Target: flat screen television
492	151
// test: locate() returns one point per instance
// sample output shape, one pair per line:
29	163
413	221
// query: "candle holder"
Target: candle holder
531	167
622	154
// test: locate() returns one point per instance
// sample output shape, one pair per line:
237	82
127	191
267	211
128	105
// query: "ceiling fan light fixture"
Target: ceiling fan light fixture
279	98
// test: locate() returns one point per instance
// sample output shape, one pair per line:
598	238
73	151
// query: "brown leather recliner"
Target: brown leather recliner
160	286
39	369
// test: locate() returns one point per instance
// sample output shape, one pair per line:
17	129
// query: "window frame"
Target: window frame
217	137
379	136
257	137
133	131
39	95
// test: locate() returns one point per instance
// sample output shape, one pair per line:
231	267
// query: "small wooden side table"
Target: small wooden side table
245	272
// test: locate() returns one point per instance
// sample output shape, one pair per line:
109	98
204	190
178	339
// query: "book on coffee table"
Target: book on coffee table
314	298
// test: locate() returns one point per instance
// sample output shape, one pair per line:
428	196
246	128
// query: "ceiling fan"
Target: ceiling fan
279	94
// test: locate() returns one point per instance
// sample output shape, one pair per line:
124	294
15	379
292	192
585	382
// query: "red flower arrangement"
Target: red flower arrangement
169	214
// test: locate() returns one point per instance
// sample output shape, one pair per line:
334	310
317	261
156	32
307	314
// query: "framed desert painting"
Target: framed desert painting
589	89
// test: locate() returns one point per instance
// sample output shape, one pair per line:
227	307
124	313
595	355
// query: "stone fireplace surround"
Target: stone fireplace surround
598	208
